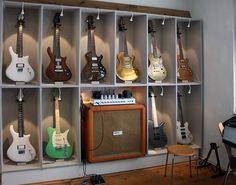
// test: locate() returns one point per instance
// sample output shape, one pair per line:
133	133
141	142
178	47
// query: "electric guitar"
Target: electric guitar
184	72
19	69
20	151
57	69
160	139
156	69
183	134
124	69
93	70
58	146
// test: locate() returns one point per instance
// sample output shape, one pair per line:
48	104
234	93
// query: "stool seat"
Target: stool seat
181	150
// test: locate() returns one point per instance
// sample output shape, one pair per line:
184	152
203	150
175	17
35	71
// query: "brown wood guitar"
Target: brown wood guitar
184	72
57	69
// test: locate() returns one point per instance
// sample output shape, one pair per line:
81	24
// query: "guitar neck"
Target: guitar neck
20	119
19	44
154	45
125	47
180	111
57	115
154	112
180	49
56	43
92	43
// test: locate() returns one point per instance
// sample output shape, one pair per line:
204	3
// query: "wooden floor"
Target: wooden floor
154	176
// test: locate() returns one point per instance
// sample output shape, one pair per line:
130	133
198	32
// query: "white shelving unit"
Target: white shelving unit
38	105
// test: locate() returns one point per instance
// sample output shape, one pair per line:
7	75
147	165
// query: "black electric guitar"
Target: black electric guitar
93	70
160	139
183	134
57	69
124	68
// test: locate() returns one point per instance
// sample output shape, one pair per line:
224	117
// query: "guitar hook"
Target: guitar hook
98	15
22	8
163	21
62	11
132	17
162	91
189	89
189	24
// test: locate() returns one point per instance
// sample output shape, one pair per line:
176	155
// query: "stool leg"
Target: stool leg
167	155
190	167
172	169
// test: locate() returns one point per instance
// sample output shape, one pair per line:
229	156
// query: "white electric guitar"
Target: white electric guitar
20	151
156	69
19	69
183	134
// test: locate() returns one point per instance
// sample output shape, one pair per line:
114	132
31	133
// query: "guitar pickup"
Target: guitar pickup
94	58
20	67
58	70
21	149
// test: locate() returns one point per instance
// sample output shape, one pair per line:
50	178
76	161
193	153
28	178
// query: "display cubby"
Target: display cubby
39	104
104	42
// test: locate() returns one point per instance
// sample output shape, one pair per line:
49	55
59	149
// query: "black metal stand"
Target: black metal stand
217	169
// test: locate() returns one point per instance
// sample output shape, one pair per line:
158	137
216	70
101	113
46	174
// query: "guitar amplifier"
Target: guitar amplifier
114	132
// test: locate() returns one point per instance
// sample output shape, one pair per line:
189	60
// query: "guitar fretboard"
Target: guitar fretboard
180	111
56	43
20	119
57	115
154	45
125	48
19	42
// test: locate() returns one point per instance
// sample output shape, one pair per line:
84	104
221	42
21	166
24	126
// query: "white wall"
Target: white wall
218	41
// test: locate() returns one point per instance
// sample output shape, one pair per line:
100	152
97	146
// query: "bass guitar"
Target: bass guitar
20	151
57	69
19	69
156	69
124	69
183	134
160	139
184	72
93	70
58	146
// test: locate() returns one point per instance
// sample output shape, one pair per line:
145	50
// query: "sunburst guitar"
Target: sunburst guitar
58	146
156	69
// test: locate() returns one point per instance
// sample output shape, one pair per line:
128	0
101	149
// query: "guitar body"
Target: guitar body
94	70
20	150
51	71
156	70
183	134
58	146
19	69
160	139
124	69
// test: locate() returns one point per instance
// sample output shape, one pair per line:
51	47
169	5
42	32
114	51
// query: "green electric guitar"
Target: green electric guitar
58	146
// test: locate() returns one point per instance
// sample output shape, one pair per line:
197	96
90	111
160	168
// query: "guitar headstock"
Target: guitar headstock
56	20
150	27
56	94
122	25
20	19
20	95
90	22
178	32
151	92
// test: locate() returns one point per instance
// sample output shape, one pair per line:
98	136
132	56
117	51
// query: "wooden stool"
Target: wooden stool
179	150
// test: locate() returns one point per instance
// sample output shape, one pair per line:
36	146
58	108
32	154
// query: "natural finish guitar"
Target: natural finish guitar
20	151
19	69
124	69
156	69
93	70
58	146
184	71
57	69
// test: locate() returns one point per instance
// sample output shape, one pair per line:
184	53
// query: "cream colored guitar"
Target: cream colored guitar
156	69
124	68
